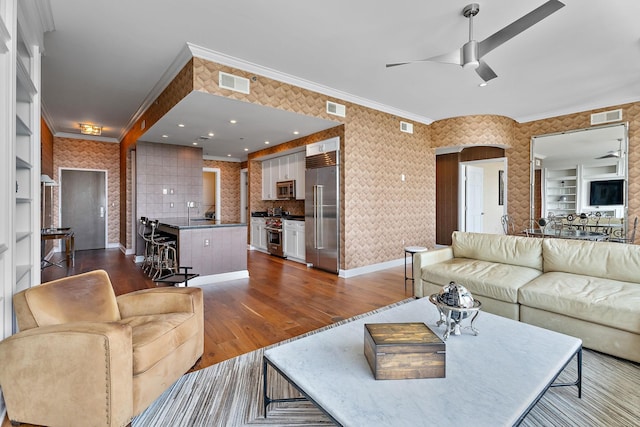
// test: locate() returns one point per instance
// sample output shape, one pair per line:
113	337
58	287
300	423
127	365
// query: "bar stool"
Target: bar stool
411	250
164	256
147	255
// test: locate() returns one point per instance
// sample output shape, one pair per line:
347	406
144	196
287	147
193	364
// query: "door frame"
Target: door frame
57	244
244	193
218	178
462	199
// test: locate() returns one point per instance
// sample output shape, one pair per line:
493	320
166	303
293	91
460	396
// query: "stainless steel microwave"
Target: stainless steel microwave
286	189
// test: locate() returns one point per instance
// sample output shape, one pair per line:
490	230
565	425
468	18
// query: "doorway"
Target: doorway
211	193
483	195
83	206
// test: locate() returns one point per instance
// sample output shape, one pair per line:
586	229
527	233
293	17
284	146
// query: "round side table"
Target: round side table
410	250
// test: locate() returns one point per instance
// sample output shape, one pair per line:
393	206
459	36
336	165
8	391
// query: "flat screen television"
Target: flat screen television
606	193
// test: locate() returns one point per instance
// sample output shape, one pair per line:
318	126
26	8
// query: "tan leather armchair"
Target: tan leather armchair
84	357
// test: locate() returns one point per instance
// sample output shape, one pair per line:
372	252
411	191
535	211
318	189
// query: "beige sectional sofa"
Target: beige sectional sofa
590	290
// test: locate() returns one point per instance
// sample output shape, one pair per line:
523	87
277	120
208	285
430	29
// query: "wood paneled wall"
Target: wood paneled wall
447	181
446	197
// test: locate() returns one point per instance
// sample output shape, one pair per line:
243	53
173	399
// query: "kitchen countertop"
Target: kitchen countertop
184	223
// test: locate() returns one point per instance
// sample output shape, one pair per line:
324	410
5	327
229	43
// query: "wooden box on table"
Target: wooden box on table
404	351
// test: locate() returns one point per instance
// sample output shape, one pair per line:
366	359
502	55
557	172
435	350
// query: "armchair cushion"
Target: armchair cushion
156	336
84	297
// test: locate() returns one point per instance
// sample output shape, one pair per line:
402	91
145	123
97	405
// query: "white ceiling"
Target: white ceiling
105	57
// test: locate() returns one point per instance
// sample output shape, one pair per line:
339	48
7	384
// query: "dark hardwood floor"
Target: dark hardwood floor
280	299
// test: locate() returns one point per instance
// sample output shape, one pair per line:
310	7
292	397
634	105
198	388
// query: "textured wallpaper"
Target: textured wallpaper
229	188
380	212
91	155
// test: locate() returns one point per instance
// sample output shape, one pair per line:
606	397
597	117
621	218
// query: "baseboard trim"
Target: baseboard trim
370	268
217	278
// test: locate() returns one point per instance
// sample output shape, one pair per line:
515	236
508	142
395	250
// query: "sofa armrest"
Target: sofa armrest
422	259
160	301
47	371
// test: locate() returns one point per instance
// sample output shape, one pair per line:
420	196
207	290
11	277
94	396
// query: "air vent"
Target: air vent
336	109
406	127
606	117
235	83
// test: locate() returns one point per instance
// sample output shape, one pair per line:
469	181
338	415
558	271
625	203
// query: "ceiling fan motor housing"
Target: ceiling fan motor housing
470	54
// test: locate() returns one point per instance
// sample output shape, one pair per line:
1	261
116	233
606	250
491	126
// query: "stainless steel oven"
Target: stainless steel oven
273	226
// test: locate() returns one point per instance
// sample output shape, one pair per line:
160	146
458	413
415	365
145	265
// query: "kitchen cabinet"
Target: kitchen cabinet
284	174
283	168
294	244
268	179
258	234
299	166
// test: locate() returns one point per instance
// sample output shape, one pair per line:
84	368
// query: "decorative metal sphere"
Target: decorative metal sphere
455	295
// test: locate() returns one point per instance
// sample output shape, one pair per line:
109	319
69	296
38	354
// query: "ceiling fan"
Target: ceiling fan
471	53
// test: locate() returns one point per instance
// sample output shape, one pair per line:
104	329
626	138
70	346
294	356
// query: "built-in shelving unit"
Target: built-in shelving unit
567	188
21	36
560	191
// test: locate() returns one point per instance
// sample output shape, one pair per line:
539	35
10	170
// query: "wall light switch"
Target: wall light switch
164	191
402	178
171	204
206	242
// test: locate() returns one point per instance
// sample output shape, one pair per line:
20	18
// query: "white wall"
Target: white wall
492	211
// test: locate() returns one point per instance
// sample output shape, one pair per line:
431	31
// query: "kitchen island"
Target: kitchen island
217	250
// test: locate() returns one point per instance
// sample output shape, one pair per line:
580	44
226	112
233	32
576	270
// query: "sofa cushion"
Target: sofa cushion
605	260
482	278
512	250
607	302
155	336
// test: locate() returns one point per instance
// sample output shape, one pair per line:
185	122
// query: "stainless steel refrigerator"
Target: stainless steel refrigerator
322	211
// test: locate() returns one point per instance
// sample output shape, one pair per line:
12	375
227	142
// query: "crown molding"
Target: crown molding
167	77
86	137
577	109
35	18
46	116
230	61
223	159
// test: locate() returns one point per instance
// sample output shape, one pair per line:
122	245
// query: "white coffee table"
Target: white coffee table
494	378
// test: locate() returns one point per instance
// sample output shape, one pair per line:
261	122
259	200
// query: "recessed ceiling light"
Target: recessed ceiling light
233	122
483	84
295	132
195	143
246	149
165	136
210	133
180	125
266	142
228	155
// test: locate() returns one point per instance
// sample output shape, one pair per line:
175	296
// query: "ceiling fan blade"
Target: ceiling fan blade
485	71
454	57
396	64
518	26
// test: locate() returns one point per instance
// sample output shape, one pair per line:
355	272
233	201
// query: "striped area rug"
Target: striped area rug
230	394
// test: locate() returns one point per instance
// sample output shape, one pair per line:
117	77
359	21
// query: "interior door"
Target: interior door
474	186
83	207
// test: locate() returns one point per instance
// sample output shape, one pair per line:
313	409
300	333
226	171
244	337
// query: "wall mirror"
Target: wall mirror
580	171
